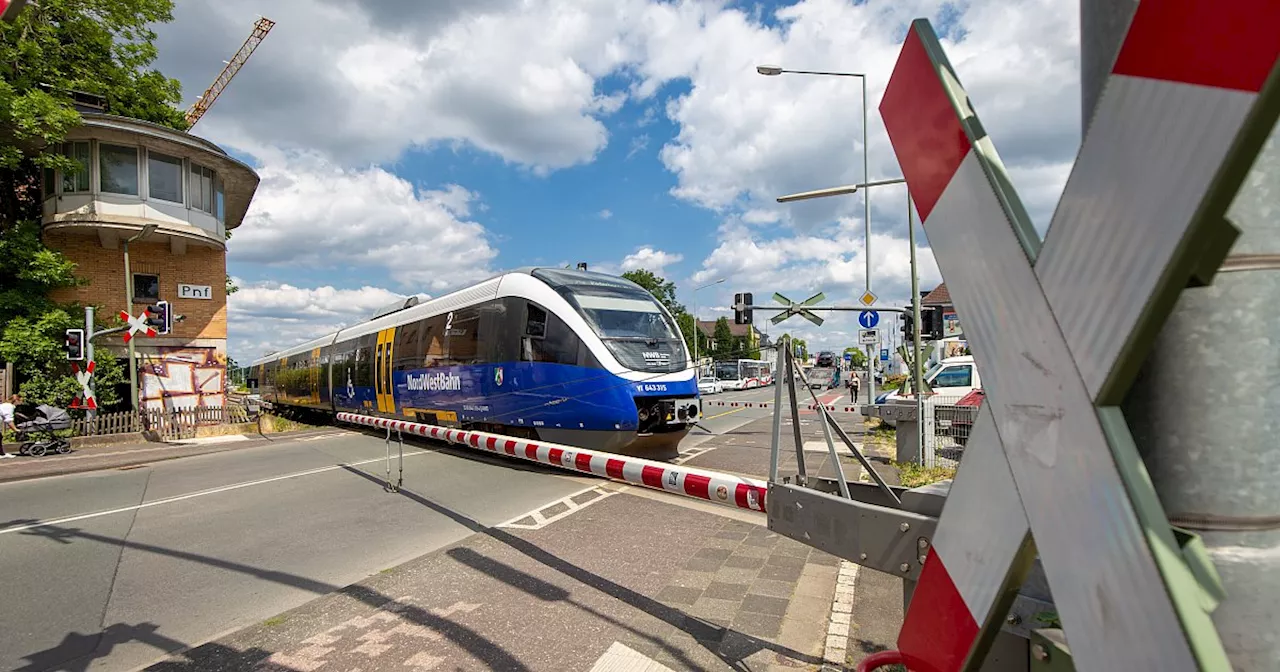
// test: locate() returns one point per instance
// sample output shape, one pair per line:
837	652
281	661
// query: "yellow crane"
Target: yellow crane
205	101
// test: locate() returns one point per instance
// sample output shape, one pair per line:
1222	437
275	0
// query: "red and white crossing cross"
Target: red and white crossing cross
137	324
1139	214
86	392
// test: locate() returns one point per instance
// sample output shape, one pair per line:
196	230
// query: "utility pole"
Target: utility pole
1203	425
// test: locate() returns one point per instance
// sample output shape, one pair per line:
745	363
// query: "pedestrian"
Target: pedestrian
8	411
853	388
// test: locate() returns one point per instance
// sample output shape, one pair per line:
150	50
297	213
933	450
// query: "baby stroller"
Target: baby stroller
36	436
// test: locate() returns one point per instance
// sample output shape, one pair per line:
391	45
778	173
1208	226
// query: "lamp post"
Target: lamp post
773	71
915	278
696	329
128	307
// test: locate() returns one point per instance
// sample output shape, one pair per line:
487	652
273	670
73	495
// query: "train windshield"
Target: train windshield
626	318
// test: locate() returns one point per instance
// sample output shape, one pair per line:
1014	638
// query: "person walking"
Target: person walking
853	388
8	411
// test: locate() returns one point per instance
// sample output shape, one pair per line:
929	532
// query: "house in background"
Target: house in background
950	335
135	174
752	338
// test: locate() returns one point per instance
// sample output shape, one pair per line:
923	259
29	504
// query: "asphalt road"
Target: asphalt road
110	570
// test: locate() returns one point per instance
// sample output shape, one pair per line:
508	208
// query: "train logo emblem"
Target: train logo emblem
722	492
497	376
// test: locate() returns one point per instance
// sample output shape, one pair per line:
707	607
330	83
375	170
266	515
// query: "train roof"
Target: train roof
481	291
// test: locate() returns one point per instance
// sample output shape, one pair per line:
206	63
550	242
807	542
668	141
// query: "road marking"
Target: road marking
540	521
167	446
201	493
622	658
721	415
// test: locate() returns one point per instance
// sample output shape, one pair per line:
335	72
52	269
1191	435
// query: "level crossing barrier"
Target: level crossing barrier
733	491
832	408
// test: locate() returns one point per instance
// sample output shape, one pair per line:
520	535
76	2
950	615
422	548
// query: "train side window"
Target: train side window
464	336
535	325
408	347
497	342
433	341
364	361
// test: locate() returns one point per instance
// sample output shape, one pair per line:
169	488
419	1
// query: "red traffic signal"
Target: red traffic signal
74	344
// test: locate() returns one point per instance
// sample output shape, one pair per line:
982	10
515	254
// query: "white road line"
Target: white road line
540	521
201	493
836	646
622	658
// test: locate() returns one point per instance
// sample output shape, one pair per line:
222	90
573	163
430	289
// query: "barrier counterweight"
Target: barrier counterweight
734	491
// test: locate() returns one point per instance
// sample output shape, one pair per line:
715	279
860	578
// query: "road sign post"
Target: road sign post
1054	380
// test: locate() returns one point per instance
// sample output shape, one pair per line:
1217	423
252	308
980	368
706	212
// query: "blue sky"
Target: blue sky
419	147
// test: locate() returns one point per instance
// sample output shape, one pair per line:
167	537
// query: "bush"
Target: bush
913	475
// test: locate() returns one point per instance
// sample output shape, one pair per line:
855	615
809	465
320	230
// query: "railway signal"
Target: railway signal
160	317
74	344
86	390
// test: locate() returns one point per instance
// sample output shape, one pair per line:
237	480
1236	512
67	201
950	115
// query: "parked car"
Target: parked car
710	386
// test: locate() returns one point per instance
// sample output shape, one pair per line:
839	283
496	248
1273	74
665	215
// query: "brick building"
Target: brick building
133	174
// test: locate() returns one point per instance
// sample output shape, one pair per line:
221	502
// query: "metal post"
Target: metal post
917	366
1196	411
802	476
90	414
775	444
866	194
128	307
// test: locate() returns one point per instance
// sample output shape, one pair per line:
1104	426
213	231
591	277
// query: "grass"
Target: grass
880	435
275	620
275	424
914	475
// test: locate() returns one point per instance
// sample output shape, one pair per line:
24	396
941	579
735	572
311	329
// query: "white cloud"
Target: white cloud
650	259
638	144
310	213
266	317
605	214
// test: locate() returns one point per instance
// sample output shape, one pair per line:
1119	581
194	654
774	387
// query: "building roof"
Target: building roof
938	297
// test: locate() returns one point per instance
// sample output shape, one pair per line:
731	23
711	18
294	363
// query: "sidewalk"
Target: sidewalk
617	579
116	456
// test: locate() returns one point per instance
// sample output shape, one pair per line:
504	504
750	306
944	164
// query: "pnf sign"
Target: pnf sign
194	291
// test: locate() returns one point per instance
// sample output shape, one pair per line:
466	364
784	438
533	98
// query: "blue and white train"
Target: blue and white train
559	355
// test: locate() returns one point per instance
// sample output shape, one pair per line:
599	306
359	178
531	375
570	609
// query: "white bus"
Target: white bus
744	374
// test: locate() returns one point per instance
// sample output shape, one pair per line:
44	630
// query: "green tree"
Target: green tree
662	289
725	343
689	330
859	357
50	50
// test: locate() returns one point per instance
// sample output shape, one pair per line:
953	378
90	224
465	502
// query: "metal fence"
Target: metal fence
177	423
946	430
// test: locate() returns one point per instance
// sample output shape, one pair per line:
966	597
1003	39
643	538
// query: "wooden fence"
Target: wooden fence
178	423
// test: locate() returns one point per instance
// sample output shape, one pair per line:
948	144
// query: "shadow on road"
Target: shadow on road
729	645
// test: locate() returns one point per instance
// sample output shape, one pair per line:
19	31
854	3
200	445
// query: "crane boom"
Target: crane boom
205	101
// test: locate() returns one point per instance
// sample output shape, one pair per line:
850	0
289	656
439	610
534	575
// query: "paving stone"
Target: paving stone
706	629
717	554
772	588
757	624
703	564
745	550
692	579
735	575
763	604
727	591
820	558
780	573
787	561
733	534
744	562
679	595
723	544
812	610
708	607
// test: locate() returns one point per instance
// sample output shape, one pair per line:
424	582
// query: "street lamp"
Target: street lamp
915	280
147	230
774	71
696	329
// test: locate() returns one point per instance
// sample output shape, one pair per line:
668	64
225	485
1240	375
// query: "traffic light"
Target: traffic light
75	344
742	308
908	320
930	323
160	317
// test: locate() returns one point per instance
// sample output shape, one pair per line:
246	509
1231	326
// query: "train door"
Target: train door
384	388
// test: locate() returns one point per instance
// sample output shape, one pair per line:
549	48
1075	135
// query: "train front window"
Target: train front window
613	317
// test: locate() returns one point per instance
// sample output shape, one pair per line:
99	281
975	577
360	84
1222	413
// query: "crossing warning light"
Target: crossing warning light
908	325
742	308
160	317
74	344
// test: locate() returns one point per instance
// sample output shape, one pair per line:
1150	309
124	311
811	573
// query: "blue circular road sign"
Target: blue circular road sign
868	319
